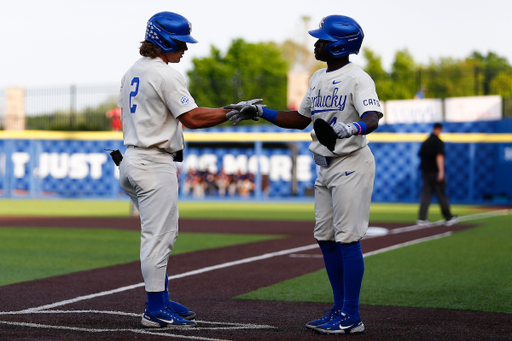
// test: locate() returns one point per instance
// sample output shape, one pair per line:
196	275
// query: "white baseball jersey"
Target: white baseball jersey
342	95
152	96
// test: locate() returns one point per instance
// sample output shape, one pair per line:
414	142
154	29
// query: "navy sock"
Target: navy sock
333	260
156	300
353	264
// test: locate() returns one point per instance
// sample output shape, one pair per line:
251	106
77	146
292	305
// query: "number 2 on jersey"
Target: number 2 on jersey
133	94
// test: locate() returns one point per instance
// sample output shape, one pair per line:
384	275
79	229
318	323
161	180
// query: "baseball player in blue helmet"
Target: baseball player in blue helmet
155	105
344	107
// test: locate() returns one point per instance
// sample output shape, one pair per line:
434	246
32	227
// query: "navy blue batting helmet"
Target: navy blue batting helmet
344	34
165	28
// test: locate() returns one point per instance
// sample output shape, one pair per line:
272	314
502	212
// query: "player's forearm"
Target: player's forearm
371	119
203	117
286	119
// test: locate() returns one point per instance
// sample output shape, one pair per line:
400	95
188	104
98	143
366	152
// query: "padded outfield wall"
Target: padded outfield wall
42	164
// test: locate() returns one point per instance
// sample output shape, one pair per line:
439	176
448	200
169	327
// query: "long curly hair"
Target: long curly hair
148	49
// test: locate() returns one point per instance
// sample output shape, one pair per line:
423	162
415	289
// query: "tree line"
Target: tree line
259	70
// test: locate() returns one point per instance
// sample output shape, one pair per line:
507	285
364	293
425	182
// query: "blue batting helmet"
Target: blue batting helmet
344	34
165	28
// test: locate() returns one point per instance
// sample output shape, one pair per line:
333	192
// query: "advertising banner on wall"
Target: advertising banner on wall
413	111
468	109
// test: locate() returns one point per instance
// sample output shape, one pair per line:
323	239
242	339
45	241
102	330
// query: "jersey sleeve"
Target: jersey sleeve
365	96
305	105
177	97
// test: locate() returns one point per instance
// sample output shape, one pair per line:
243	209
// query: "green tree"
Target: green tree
403	72
449	77
246	71
490	67
383	82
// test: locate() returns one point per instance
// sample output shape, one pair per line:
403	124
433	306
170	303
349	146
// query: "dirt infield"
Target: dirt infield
106	304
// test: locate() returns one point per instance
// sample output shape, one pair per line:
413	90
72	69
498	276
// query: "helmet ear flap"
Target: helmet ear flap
336	48
170	44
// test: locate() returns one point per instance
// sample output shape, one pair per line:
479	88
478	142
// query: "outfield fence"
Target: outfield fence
257	163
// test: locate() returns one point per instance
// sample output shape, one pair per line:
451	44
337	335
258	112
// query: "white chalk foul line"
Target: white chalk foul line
252	259
416	241
248	260
229	325
185	274
442	222
104	330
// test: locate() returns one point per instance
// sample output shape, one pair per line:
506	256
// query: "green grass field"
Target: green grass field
470	270
33	253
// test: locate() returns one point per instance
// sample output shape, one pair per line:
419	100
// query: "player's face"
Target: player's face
175	57
320	53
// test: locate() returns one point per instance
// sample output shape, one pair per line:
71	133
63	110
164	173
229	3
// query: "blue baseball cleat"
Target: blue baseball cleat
164	318
332	314
344	324
181	310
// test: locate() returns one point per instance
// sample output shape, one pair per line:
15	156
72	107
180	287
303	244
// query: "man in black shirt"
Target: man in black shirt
434	181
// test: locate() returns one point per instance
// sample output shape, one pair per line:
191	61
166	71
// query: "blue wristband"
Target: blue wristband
362	127
269	115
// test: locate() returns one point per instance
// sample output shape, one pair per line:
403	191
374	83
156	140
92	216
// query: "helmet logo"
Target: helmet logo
189	27
322	23
150	32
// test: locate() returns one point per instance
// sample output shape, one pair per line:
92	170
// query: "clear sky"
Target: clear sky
62	42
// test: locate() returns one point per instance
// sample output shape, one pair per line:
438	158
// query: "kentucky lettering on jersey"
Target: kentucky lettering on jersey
329	102
342	95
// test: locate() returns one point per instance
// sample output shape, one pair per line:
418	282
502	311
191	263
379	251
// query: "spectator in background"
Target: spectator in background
115	118
420	94
222	181
211	186
434	180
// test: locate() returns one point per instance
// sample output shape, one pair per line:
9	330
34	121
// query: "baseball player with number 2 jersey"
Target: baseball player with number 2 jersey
344	107
155	103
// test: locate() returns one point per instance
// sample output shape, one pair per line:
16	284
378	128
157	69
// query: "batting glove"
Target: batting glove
244	110
345	130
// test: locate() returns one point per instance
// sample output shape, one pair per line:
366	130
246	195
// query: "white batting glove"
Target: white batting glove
345	130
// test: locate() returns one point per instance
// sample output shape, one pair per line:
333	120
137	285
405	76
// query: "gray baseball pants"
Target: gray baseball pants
149	177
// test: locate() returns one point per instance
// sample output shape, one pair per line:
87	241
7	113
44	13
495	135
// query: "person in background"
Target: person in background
434	181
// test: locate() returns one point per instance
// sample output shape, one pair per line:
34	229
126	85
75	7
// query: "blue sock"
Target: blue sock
156	300
353	264
166	296
333	260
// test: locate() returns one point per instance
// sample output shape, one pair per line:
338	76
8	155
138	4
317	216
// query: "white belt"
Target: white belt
173	154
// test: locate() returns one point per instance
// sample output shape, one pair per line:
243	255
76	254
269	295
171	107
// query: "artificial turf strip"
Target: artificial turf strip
34	253
379	212
64	208
469	270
